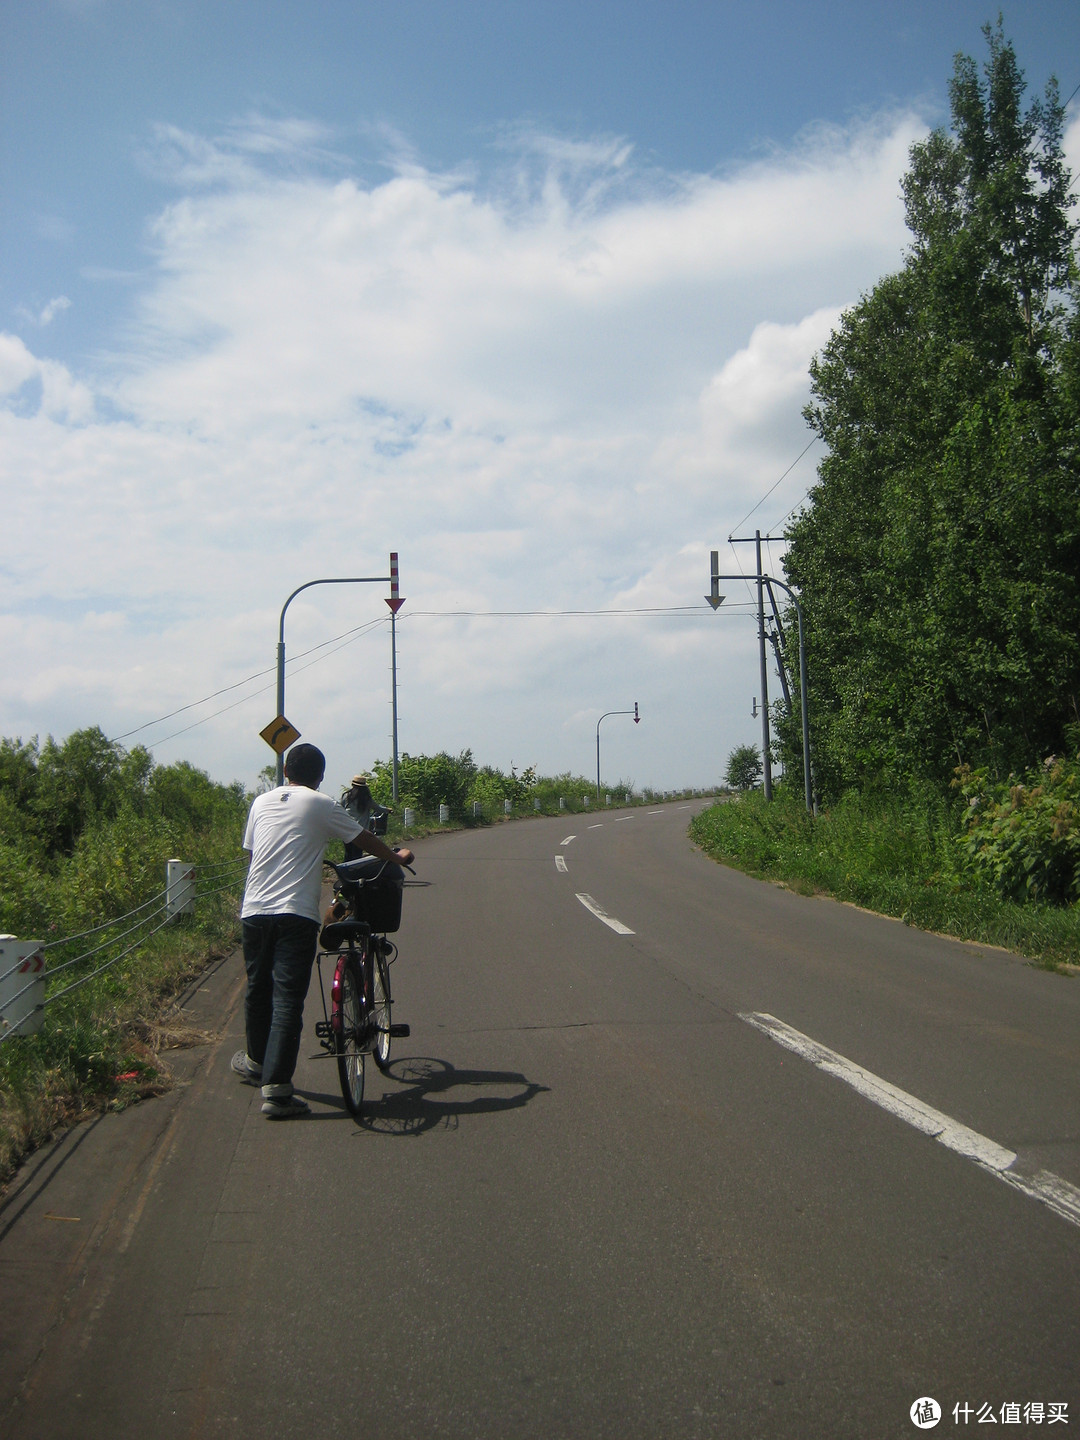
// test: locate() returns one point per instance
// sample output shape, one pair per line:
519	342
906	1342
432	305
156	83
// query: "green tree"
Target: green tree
744	767
938	559
427	781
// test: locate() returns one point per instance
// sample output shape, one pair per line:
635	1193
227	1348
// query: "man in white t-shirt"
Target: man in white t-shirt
287	832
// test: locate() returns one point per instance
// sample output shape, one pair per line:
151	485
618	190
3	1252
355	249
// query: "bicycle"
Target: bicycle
358	1022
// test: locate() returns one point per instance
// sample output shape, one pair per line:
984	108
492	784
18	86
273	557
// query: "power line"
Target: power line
813	440
194	704
347	637
293	670
555	614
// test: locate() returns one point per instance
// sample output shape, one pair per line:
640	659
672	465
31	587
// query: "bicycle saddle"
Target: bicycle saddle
340	932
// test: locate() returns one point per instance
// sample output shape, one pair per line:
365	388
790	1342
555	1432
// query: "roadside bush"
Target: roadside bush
86	829
1021	838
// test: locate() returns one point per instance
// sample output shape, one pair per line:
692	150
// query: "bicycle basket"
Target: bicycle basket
378	900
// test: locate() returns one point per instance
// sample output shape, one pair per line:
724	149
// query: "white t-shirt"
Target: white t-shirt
287	832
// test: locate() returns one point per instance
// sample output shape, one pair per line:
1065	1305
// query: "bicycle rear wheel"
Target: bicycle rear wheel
350	1020
381	1007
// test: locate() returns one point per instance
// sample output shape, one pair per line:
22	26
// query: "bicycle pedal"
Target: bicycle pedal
323	1030
399	1032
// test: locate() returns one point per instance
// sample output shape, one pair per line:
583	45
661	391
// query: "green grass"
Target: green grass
101	1046
893	854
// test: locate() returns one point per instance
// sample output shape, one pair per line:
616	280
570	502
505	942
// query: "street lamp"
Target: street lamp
637	720
345	580
715	599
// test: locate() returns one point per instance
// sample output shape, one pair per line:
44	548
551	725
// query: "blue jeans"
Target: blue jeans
279	951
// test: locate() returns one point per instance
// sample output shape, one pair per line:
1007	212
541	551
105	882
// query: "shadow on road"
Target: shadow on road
430	1097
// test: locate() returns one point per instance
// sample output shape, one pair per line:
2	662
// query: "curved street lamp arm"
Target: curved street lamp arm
605	715
336	580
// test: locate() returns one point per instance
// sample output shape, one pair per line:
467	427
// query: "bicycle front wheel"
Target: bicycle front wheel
351	1017
381	1007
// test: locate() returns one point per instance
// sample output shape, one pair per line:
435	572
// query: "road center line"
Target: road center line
1058	1194
601	914
598	826
620	818
567	840
560	863
656	812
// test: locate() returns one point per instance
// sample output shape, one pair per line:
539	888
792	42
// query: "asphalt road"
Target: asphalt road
597	1198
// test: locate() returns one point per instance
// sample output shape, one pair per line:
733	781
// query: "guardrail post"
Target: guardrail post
179	889
22	992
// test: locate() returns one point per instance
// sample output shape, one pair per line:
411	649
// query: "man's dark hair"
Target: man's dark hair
305	765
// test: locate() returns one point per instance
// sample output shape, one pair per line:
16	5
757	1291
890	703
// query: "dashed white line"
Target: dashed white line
567	840
620	818
1058	1194
656	812
601	914
560	863
598	826
684	807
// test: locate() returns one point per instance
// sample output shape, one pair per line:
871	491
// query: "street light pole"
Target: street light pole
343	580
715	599
637	721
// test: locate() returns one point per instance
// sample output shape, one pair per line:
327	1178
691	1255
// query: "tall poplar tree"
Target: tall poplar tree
939	558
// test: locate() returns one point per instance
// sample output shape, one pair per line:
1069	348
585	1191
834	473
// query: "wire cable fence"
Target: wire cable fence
149	919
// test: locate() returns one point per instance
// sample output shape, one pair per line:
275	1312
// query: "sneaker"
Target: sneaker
249	1072
284	1107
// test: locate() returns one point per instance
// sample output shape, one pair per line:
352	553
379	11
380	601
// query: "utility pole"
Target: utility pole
765	760
715	599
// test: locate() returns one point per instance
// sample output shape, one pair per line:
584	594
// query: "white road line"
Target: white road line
1058	1194
567	840
620	818
656	812
560	863
601	914
598	826
684	807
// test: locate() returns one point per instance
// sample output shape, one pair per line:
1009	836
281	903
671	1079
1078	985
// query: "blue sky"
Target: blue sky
524	291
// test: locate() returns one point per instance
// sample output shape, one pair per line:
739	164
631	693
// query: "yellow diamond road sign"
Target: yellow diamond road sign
280	734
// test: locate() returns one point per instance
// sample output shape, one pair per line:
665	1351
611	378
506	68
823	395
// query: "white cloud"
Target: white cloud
61	397
48	313
556	389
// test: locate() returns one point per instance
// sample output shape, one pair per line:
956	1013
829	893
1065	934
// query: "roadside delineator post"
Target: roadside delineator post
179	889
22	986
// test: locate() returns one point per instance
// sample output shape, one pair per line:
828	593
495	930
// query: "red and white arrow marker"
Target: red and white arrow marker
396	601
